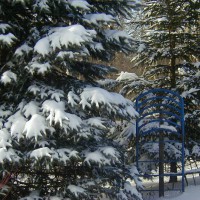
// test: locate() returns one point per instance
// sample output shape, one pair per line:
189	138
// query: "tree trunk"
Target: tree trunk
173	165
173	169
173	72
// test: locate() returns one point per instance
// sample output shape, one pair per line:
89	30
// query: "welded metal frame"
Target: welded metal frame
143	103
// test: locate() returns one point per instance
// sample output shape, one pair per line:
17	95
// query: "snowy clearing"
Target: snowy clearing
191	191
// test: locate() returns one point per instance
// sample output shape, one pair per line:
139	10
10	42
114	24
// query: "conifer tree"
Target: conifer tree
56	138
169	52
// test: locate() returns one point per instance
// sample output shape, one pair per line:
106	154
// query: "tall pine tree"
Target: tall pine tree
168	51
56	136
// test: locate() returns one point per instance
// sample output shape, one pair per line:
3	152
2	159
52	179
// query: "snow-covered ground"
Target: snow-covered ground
192	191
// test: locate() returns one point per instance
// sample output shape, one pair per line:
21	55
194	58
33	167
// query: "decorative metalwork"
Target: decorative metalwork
161	125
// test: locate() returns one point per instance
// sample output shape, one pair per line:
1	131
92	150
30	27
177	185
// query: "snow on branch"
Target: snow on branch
74	35
196	150
126	76
41	152
67	54
56	95
114	102
57	114
61	154
35	127
134	173
96	157
34	195
96	122
40	68
43	46
30	109
189	92
8	77
64	155
128	133
73	99
7	39
98	17
110	152
17	127
116	35
4	139
23	49
73	123
76	190
130	190
8	154
4	27
41	5
34	89
55	110
79	4
96	46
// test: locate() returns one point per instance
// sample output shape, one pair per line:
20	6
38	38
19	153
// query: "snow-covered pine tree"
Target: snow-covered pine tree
170	39
169	53
56	123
